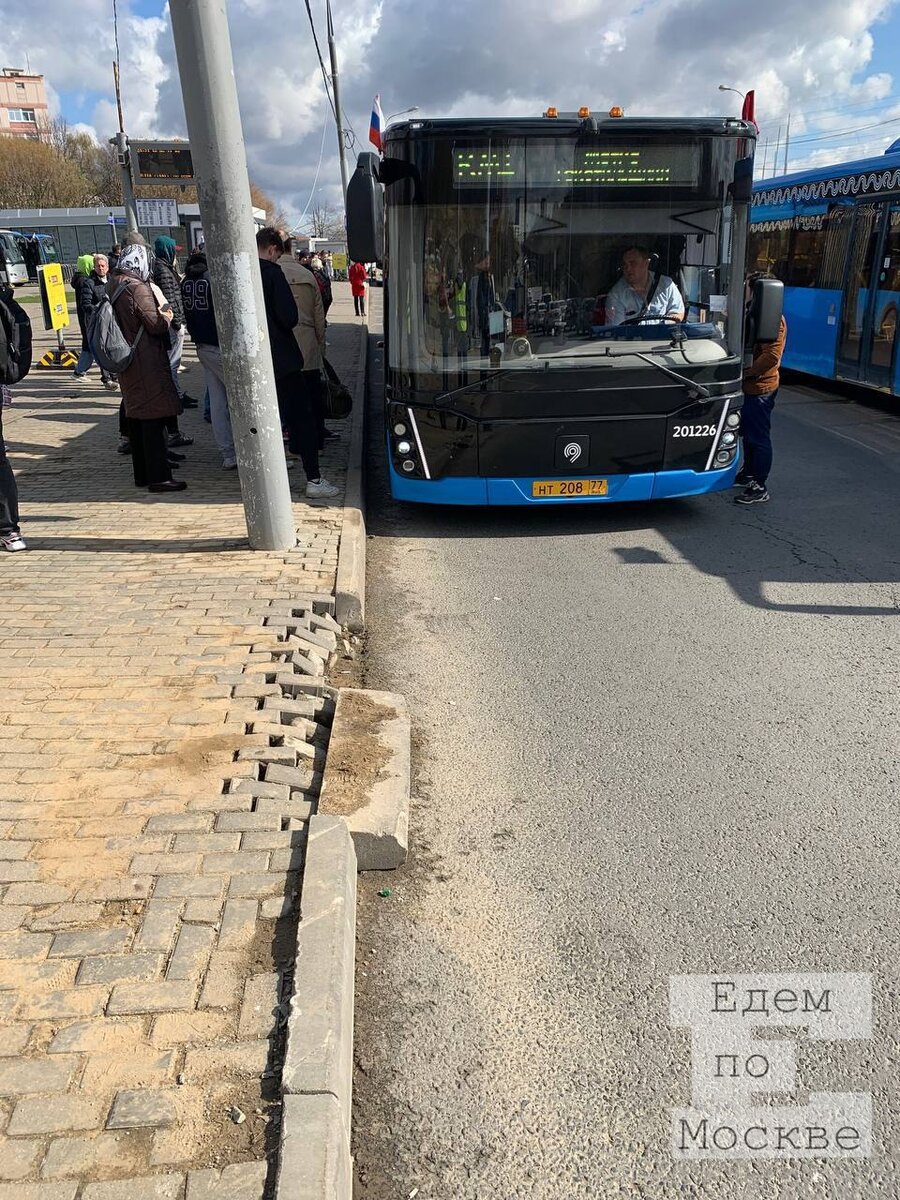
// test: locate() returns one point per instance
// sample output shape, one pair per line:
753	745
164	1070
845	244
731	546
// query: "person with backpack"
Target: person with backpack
148	391
90	282
15	363
200	318
313	263
167	279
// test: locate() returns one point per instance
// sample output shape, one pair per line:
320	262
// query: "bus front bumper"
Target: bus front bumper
473	490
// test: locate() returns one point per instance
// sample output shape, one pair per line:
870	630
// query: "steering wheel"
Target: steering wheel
639	320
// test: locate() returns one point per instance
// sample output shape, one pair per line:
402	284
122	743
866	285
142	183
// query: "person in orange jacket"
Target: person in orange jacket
358	287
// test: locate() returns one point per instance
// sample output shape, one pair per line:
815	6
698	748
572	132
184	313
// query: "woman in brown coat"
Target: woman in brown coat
148	392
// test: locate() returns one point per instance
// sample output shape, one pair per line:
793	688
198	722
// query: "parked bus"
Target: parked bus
37	249
12	261
833	236
506	382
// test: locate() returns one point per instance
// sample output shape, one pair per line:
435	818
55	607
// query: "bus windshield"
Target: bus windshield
9	247
510	251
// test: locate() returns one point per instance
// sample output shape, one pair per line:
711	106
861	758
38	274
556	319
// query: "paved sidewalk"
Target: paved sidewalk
149	846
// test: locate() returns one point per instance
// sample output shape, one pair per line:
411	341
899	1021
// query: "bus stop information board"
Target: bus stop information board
53	297
161	162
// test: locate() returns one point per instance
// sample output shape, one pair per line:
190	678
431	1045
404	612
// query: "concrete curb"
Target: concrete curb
367	775
350	586
317	1078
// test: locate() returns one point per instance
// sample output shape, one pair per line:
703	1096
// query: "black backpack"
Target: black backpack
15	339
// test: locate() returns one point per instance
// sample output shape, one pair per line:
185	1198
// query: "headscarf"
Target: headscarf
137	260
165	249
85	264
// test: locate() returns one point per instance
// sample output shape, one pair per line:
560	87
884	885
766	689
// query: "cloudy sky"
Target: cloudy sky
830	65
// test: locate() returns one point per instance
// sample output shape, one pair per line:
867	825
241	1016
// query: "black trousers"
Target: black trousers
297	416
9	493
171	422
359	305
315	389
149	453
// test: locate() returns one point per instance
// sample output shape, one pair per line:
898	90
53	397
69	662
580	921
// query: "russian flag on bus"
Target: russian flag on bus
375	124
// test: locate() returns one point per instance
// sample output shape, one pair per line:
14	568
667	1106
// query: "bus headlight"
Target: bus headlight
733	420
728	439
408	465
406	448
399	429
722	457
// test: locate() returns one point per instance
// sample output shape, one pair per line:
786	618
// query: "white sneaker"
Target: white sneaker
12	541
229	464
321	489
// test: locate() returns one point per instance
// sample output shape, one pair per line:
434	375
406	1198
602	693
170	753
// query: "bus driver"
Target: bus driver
631	295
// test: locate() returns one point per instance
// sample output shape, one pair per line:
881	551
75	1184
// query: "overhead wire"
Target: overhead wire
325	78
318	169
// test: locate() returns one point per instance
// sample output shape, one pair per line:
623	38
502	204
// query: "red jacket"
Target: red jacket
358	279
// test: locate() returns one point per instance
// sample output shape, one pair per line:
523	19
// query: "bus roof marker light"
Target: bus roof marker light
552	112
617	111
584	111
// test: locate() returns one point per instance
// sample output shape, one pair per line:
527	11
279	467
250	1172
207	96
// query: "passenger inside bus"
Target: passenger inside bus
642	292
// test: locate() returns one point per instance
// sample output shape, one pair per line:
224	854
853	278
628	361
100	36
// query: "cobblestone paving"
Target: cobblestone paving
155	784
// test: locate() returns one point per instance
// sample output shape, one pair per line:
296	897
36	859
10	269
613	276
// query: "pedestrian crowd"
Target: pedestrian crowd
155	308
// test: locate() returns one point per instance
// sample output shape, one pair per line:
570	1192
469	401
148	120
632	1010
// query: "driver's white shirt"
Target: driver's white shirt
623	301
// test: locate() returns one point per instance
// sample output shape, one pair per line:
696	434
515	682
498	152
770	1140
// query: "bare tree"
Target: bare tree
326	221
34	175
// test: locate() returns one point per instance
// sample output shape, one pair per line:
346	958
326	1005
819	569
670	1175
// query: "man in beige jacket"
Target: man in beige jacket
309	331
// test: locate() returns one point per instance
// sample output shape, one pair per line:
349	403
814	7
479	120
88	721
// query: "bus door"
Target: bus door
869	319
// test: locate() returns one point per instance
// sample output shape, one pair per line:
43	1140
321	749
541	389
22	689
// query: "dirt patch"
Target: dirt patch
357	754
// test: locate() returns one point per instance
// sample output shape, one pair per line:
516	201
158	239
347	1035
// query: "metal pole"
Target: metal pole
332	50
120	141
203	49
787	142
775	158
762	173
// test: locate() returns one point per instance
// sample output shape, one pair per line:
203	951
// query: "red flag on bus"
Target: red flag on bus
748	111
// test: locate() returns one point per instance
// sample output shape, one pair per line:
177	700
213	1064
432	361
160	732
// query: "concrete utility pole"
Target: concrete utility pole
200	29
787	143
332	50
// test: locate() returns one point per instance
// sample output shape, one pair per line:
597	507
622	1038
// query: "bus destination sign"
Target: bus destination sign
555	164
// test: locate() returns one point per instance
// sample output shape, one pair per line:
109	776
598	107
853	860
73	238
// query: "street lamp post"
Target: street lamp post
723	88
401	113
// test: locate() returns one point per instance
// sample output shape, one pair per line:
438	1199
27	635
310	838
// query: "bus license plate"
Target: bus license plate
569	488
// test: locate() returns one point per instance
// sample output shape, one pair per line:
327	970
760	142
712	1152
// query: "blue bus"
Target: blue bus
833	236
511	375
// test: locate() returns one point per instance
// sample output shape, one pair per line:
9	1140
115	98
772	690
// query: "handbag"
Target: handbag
338	398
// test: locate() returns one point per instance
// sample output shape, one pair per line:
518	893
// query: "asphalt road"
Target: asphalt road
651	740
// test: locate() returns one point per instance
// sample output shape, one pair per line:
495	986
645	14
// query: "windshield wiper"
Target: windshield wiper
478	383
699	389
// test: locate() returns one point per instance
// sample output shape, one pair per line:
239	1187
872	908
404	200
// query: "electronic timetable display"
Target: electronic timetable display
560	164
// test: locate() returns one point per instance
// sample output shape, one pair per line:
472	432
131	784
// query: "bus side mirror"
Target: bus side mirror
365	212
766	311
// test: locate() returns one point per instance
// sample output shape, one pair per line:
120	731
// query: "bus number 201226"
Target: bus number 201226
681	431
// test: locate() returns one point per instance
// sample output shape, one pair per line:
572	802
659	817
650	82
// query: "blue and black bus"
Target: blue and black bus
833	236
506	379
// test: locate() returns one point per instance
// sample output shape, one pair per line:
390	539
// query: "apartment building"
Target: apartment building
23	103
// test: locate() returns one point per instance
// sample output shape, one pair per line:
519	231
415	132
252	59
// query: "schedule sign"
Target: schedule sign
157	214
542	163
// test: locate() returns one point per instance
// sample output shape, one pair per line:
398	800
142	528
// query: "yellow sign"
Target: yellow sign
339	262
54	295
573	488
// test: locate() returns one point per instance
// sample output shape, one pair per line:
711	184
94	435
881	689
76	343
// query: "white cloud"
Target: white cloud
651	56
